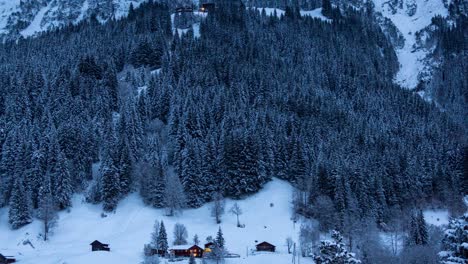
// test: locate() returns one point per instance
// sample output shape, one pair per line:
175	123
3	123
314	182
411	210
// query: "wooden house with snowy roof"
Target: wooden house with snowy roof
186	251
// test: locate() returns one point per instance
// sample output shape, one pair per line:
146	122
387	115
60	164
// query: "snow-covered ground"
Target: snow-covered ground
411	59
266	216
195	26
35	25
437	217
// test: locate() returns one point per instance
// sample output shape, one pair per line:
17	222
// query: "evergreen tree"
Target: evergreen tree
155	235
63	189
418	234
110	184
219	240
455	241
19	213
162	239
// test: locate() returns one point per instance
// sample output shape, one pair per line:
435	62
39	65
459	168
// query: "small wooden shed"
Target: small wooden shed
186	251
6	259
265	246
98	246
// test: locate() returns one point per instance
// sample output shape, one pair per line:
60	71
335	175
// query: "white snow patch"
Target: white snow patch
130	227
35	25
316	13
436	217
142	89
84	9
157	71
411	60
271	11
195	26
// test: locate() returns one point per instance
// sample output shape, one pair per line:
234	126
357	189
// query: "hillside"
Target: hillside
130	227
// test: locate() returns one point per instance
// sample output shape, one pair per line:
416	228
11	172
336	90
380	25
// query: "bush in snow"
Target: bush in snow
334	252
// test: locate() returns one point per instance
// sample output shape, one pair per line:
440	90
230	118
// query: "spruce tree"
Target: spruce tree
162	239
110	184
63	189
219	240
19	213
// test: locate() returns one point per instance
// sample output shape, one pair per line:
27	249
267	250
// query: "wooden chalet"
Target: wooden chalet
98	246
265	246
186	251
6	259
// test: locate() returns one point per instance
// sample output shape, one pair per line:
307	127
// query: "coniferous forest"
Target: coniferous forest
184	119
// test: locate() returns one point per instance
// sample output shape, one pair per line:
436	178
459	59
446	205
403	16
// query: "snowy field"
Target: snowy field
130	227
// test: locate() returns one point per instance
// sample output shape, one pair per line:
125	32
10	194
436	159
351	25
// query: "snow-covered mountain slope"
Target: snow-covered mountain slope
266	216
25	18
410	17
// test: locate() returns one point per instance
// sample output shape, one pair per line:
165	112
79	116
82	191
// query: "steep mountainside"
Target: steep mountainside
26	18
410	17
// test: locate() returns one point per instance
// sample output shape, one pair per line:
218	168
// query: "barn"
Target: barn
6	259
265	246
98	246
186	251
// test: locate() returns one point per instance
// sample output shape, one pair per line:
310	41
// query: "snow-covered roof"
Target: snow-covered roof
181	247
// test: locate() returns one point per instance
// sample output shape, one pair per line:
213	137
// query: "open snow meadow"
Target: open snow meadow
266	216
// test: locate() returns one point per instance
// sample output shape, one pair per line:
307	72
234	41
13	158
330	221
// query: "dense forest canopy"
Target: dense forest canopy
253	97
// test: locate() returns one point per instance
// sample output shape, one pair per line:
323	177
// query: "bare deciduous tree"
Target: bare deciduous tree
289	244
236	210
218	207
180	234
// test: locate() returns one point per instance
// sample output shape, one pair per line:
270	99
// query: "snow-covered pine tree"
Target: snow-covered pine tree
162	239
155	235
418	234
455	242
19	213
110	183
219	240
334	252
63	189
125	168
191	173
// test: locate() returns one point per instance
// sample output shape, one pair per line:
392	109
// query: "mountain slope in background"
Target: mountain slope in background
26	18
410	17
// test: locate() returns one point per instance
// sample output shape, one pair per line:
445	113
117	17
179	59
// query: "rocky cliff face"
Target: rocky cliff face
28	17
